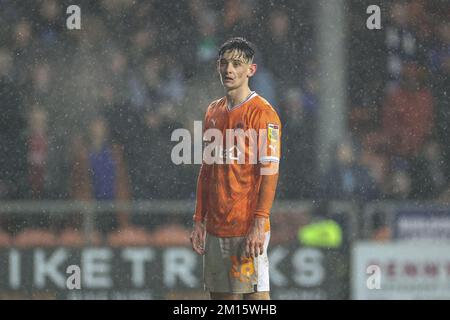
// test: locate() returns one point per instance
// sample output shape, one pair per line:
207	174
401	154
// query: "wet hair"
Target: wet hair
244	48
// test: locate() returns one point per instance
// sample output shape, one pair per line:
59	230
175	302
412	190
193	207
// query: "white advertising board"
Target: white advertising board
400	270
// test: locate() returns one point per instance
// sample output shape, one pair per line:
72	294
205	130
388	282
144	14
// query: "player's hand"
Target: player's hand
198	238
254	244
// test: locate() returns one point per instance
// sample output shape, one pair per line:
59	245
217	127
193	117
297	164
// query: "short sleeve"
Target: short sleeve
269	136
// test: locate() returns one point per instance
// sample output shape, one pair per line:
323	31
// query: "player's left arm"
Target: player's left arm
269	143
257	234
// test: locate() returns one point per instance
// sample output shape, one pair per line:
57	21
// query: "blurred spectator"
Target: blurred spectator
381	229
442	67
408	114
378	164
161	81
428	178
41	78
12	139
37	152
264	81
118	68
280	47
50	23
296	180
400	183
239	19
401	40
208	42
311	87
367	58
100	173
440	54
348	179
164	180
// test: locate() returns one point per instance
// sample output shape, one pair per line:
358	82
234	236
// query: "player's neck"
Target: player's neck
237	96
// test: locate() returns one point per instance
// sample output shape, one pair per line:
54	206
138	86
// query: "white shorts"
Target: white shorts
227	270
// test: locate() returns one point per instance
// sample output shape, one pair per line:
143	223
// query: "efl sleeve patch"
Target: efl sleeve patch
273	132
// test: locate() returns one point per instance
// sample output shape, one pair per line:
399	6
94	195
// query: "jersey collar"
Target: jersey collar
249	97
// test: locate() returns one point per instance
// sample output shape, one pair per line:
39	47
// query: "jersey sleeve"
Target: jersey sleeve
269	144
269	138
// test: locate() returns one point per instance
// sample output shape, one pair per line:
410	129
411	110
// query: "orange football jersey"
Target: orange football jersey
227	190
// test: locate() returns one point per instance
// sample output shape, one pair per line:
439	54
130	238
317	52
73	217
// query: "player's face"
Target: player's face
234	70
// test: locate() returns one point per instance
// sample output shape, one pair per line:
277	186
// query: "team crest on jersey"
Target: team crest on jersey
273	132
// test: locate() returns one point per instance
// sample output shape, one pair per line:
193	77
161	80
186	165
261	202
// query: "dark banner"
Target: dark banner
308	257
422	224
155	273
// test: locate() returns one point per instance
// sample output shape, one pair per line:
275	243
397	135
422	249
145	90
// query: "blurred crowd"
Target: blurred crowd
88	114
397	147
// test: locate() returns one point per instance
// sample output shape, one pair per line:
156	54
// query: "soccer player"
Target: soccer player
231	221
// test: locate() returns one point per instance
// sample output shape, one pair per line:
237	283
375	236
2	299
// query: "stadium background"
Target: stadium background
85	170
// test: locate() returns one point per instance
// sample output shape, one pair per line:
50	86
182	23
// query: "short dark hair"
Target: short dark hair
244	47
